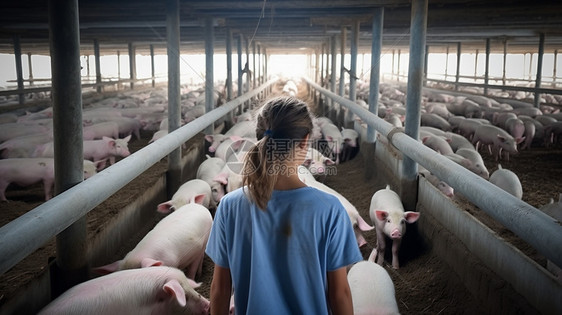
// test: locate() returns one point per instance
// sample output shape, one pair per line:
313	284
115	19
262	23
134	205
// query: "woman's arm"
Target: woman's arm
339	293
221	287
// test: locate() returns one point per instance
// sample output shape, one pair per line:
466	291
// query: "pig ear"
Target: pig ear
174	289
236	138
127	138
221	178
329	161
411	216
307	162
149	262
362	225
381	215
198	198
329	138
424	139
519	140
502	138
209	138
100	165
165	207
107	269
194	284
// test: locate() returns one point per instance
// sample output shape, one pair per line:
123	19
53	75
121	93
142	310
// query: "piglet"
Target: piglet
372	289
508	181
195	189
496	138
156	290
207	171
28	171
316	162
178	240
387	214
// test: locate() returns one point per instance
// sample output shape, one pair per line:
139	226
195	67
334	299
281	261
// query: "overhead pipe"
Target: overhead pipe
27	233
518	216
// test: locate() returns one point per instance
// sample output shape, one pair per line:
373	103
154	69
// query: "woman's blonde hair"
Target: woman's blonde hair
282	123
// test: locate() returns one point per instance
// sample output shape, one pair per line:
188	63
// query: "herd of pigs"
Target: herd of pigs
157	275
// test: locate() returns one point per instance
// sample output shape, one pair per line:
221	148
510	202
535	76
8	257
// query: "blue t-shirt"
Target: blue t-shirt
278	258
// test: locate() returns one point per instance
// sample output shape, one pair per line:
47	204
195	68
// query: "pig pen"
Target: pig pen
424	283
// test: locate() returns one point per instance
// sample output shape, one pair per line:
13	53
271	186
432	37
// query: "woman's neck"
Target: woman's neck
289	182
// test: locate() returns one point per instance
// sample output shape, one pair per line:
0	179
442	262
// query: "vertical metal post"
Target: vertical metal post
426	58
475	65
353	70
458	74
132	65
316	66
209	76
152	65
333	67
254	64
174	172
322	65
342	62
530	66
553	69
446	62
487	67
418	28
249	74
504	60
258	66
393	66
64	39
398	65
98	65
19	69
376	50
88	67
539	70
228	64
118	70
239	52
327	61
31	68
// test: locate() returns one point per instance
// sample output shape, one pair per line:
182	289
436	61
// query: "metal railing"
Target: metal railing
530	224
24	235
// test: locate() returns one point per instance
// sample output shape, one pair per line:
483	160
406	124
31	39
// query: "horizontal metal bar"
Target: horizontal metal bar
30	231
530	224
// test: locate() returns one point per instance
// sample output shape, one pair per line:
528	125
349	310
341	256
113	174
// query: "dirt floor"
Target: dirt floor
424	284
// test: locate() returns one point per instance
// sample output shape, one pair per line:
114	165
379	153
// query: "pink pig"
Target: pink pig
156	290
387	213
94	150
28	171
195	189
178	240
495	138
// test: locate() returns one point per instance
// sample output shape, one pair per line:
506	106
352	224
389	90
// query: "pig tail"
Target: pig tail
282	123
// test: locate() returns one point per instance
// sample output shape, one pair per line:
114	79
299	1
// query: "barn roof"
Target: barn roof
289	26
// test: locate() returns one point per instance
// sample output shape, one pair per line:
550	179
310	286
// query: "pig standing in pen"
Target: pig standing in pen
388	215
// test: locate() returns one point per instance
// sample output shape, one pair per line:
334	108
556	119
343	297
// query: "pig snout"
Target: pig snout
395	234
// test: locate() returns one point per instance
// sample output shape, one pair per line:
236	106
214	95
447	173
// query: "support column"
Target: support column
132	65
19	68
487	67
458	74
418	31
476	65
249	74
393	66
353	73
342	62
174	172
254	70
539	70
64	38
88	67
239	52
209	76
228	64
398	65
530	66
553	69
374	82
504	60
118	70
426	58
98	65
447	62
333	68
152	65
322	65
31	68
